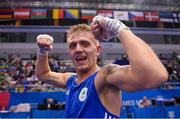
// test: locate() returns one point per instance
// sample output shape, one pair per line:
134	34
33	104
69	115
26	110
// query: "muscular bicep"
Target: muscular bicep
57	79
123	78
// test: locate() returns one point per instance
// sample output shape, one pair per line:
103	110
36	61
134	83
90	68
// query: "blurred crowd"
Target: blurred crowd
18	74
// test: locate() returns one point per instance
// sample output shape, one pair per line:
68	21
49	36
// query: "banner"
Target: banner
58	13
6	14
88	14
21	13
136	16
4	100
152	16
38	13
121	15
72	13
176	17
166	17
105	13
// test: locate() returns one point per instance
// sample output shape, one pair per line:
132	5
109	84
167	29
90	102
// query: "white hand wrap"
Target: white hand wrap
43	49
111	27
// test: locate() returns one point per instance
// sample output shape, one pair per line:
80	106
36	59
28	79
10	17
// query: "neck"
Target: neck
84	74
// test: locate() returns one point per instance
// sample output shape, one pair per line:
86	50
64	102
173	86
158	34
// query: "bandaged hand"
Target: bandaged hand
109	28
44	43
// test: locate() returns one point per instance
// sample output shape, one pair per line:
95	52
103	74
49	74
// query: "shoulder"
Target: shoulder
109	68
69	78
112	75
103	73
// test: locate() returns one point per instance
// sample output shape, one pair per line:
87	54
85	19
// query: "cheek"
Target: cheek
92	54
70	54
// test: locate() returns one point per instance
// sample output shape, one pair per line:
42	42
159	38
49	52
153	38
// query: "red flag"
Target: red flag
6	13
105	13
151	16
4	100
21	13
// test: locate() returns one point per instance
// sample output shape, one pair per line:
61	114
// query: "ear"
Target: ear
98	50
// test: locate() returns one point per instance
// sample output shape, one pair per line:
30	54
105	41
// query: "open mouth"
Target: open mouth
80	59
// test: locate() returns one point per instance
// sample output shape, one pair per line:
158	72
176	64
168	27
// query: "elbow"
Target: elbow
161	79
163	76
38	76
41	76
158	80
37	73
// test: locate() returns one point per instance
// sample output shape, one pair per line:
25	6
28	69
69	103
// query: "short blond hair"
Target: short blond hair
79	27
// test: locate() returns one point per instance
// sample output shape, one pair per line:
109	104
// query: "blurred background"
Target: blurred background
157	22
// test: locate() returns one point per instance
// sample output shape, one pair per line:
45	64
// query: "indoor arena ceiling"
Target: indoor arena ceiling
150	5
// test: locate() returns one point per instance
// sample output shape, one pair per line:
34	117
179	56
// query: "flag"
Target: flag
105	13
136	16
151	16
6	13
88	14
49	13
58	13
166	17
176	17
21	13
121	15
38	13
72	13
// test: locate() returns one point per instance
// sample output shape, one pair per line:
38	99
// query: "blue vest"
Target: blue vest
82	100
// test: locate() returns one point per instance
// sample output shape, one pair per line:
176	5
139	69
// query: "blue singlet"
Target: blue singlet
82	100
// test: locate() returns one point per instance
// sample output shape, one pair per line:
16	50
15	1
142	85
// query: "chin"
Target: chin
81	68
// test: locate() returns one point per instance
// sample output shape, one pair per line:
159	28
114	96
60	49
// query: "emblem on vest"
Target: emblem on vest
83	94
67	92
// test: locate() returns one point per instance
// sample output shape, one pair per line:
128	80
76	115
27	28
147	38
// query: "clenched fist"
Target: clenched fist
44	43
105	28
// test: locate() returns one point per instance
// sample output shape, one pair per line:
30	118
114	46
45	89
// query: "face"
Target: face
83	50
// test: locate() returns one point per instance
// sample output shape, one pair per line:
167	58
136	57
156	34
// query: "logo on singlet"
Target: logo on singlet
83	94
67	92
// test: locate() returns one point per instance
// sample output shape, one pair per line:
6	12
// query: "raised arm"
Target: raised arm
145	70
42	68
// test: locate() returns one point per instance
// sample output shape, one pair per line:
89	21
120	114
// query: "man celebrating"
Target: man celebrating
94	92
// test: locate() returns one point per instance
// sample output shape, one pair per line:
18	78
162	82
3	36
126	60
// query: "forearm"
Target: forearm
42	66
44	43
145	70
142	58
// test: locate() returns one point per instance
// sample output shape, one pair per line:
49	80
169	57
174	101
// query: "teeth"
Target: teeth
80	58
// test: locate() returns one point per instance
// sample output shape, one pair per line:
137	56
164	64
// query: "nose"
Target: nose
79	48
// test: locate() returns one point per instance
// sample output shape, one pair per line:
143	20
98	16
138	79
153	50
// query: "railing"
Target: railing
51	88
31	88
171	85
51	29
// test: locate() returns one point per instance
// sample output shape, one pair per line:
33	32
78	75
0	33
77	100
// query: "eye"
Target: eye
85	43
72	45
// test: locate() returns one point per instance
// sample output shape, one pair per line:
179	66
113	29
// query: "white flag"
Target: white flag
121	15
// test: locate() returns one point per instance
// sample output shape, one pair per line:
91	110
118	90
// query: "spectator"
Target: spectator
145	102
